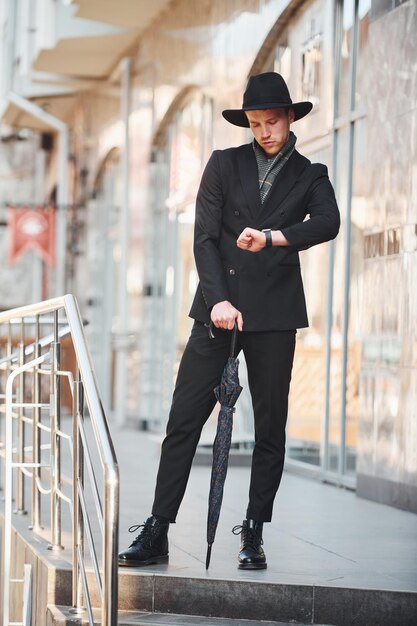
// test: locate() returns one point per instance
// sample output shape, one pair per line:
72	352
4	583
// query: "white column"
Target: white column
122	339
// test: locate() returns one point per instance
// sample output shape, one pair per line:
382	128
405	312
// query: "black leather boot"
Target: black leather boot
251	555
149	547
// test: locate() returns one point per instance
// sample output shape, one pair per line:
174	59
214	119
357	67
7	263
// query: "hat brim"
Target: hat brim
238	116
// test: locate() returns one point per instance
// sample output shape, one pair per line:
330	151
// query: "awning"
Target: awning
136	14
85	57
58	106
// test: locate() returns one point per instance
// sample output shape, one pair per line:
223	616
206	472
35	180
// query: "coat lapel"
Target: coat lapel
248	172
283	183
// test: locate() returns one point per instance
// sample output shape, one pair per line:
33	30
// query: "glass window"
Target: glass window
311	58
282	62
335	399
364	9
359	205
345	55
353	211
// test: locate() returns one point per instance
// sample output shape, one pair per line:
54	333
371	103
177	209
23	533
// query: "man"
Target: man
250	224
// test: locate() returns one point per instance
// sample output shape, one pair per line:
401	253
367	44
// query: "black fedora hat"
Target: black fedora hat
266	91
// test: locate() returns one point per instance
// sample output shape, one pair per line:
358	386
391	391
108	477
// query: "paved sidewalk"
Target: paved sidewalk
319	535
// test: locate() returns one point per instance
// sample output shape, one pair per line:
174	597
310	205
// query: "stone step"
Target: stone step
238	595
62	616
251	599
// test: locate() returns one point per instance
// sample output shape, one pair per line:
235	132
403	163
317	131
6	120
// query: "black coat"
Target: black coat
265	286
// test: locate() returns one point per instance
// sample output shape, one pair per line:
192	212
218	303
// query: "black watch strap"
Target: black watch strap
268	237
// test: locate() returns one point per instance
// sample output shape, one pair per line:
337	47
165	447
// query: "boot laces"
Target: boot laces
249	535
147	534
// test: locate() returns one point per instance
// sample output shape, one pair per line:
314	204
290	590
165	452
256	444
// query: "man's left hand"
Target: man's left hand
251	239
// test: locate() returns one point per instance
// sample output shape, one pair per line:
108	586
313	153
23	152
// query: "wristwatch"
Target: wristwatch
268	237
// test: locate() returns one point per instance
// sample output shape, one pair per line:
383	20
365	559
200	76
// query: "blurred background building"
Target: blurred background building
109	111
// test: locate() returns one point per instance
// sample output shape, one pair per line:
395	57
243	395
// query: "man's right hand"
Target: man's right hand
224	315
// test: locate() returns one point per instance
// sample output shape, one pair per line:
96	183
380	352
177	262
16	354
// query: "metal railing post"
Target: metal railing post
55	441
20	481
36	442
110	547
8	493
7	369
77	477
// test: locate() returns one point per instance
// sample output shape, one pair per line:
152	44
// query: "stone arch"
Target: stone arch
179	102
269	43
112	158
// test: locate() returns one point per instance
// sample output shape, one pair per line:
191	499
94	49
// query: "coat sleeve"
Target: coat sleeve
324	222
207	229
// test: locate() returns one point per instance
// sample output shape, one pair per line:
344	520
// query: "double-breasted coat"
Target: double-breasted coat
266	287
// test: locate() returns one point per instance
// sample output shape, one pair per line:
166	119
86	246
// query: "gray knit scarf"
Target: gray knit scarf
269	168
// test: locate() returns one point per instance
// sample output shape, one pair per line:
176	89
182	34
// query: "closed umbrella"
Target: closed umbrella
227	394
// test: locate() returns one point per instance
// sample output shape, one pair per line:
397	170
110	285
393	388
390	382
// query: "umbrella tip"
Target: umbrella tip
208	556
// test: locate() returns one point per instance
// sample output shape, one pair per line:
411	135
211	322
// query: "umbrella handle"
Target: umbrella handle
233	342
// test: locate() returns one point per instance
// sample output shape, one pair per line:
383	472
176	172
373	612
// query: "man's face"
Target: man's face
271	128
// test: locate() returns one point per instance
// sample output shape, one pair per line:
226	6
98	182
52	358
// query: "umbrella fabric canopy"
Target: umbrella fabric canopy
227	394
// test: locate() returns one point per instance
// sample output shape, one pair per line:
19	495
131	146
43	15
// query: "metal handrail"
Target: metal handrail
84	392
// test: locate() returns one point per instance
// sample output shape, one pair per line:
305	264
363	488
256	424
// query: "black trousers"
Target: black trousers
269	358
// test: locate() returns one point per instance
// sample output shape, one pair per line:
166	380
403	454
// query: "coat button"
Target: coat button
237	213
282	212
232	272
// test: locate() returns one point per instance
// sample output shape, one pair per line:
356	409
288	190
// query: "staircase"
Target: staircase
58	472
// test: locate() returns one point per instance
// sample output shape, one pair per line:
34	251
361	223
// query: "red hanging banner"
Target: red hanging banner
32	228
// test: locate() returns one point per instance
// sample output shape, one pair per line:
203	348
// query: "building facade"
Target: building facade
141	92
